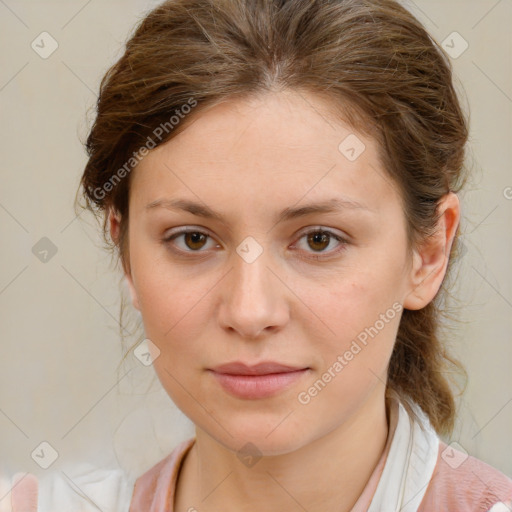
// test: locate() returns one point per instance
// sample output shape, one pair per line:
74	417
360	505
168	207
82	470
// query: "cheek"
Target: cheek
352	361
359	320
351	303
168	297
175	310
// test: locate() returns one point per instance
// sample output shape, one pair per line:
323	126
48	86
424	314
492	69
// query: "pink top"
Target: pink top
470	486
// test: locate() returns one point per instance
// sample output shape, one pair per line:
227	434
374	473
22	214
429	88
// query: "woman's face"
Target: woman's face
251	285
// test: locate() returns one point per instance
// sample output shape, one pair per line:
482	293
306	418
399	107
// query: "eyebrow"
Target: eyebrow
329	206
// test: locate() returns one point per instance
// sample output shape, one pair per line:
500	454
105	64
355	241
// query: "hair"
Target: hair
375	64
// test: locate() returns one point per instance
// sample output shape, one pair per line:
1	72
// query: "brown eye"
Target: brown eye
318	240
194	240
191	241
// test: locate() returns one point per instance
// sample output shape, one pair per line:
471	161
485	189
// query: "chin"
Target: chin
257	439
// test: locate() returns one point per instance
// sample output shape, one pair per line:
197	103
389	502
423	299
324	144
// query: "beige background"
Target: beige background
60	344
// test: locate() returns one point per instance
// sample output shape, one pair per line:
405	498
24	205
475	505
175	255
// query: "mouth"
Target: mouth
257	381
263	368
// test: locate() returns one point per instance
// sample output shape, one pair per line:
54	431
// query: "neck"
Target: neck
327	474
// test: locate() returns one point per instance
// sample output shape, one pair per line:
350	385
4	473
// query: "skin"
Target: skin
249	160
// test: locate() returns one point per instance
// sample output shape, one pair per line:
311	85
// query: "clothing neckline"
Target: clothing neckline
366	497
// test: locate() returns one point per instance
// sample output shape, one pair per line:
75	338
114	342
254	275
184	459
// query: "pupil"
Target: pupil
195	238
320	237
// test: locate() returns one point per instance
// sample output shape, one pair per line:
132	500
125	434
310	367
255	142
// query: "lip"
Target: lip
263	368
257	381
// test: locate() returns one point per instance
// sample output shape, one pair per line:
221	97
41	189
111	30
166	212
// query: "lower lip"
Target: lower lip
258	386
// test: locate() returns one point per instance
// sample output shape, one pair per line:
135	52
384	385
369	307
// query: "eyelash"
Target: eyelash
343	242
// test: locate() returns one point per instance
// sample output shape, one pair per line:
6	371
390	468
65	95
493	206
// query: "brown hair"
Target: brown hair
371	59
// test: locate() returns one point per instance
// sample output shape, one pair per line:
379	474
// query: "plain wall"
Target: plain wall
59	336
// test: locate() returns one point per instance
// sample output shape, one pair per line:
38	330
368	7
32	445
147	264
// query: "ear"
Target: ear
115	223
114	220
431	259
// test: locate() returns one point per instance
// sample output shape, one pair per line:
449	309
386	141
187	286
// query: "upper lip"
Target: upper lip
264	368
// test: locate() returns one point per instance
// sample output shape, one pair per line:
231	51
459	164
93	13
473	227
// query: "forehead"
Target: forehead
280	145
288	121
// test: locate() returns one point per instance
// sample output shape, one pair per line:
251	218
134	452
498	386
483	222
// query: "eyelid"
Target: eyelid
315	228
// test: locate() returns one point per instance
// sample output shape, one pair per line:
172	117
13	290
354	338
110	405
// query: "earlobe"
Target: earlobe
430	260
425	280
133	293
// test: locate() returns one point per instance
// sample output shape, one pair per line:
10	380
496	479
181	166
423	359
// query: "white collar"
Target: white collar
409	465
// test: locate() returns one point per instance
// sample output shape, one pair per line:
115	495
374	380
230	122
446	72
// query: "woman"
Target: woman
280	179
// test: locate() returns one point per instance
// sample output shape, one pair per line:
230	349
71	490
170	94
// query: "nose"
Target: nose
254	298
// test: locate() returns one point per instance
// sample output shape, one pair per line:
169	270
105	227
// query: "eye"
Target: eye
319	239
193	240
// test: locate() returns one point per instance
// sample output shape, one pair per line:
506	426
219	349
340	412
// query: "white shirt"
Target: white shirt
82	489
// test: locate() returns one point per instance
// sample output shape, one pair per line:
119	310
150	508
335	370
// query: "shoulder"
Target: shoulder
86	488
83	487
157	484
465	483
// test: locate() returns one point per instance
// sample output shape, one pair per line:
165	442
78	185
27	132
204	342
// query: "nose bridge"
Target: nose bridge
251	302
250	273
